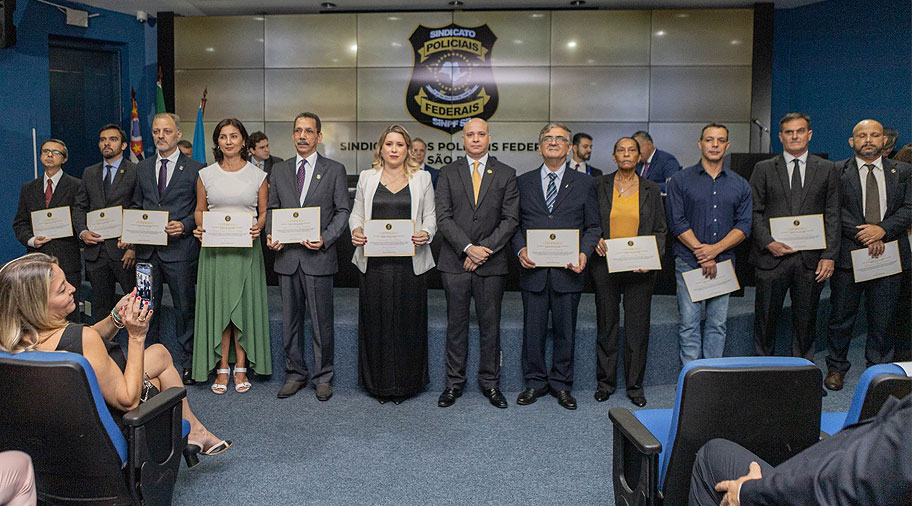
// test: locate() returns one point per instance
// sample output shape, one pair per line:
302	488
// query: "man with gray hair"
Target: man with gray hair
554	198
167	182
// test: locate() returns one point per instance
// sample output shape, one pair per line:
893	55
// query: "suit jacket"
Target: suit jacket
771	194
866	463
31	198
592	171
435	173
179	200
328	190
663	165
269	163
94	198
897	218
423	214
576	206
491	223
652	211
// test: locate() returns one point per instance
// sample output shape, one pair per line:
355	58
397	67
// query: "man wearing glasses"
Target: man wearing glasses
553	198
53	189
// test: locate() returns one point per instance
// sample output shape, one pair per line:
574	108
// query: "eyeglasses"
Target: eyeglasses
46	151
560	139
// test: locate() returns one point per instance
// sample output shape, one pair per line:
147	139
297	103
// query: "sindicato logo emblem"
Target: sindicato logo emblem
452	80
552	236
389	226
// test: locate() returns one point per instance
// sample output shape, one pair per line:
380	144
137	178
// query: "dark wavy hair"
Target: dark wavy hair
219	156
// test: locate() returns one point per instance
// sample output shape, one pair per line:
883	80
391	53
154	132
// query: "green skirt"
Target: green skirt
231	288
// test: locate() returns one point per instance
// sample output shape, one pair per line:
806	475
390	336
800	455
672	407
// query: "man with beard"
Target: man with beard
581	152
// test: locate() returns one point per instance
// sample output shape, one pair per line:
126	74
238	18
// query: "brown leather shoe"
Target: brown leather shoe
834	380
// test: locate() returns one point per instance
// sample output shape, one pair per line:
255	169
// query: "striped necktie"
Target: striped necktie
551	193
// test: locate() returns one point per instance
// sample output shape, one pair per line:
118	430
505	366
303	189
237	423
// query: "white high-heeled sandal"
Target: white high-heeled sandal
218	388
242	386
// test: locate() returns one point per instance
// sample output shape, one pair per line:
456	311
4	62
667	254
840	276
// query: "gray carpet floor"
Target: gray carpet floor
353	451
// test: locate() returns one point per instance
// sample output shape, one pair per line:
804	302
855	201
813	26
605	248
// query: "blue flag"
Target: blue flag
199	138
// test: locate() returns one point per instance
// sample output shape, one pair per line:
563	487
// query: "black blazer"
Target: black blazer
31	198
652	211
94	198
328	190
491	223
770	187
897	218
576	206
179	200
269	163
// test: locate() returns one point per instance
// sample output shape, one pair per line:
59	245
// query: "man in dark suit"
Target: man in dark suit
54	188
419	151
109	183
167	182
655	164
794	183
258	147
306	269
477	214
876	203
552	197
581	152
866	463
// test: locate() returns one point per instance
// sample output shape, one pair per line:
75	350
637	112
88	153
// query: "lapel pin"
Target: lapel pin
318	176
121	171
892	171
490	171
567	185
180	168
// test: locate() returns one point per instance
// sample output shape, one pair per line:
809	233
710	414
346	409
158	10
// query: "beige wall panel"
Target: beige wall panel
218	42
381	94
524	93
328	92
383	39
232	94
311	40
680	139
600	38
700	94
702	37
600	93
523	37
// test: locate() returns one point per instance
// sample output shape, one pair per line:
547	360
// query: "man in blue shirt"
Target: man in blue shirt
709	213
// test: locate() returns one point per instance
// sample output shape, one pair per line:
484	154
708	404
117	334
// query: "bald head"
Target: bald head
475	137
867	140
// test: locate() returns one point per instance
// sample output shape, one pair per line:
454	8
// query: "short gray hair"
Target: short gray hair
174	117
549	126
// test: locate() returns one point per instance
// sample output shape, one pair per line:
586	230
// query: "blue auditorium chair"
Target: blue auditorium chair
52	409
876	385
769	405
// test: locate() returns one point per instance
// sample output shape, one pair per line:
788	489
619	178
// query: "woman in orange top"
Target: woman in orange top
630	206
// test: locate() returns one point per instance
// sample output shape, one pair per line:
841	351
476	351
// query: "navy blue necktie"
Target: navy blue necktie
551	193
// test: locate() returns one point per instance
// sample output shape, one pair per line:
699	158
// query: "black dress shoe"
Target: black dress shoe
399	400
529	395
497	399
639	401
834	380
602	395
289	388
564	398
187	377
448	397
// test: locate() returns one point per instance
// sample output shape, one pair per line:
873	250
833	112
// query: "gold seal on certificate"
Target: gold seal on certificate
144	227
227	229
865	267
799	232
296	225
633	253
389	238
702	288
107	222
52	223
553	248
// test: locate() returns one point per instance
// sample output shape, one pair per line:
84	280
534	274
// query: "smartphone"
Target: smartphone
144	282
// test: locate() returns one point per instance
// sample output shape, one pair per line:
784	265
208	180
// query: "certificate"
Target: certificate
702	288
144	227
867	268
389	238
553	248
633	253
227	229
296	225
52	223
799	232
107	222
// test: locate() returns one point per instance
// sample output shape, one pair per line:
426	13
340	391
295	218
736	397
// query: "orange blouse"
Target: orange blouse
624	219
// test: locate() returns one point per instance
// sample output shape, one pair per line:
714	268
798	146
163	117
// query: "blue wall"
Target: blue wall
841	61
25	93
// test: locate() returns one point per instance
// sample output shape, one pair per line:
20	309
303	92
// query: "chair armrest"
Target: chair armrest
634	431
154	407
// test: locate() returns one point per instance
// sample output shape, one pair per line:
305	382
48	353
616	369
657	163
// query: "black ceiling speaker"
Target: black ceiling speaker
7	30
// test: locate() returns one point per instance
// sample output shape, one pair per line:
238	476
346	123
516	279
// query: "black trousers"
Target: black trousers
181	279
793	277
720	460
488	292
900	328
316	292
102	273
636	289
880	301
563	308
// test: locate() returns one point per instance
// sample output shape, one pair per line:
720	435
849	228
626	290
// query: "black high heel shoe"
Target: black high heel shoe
194	449
191	455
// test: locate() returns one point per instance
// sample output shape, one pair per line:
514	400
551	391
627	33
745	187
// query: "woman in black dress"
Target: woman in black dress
392	318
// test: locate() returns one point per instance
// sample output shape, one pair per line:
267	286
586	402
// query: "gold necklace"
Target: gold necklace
623	187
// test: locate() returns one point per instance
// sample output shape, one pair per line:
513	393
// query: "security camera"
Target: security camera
142	16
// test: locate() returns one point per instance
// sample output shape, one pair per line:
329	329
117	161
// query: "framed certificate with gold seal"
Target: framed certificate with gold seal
553	248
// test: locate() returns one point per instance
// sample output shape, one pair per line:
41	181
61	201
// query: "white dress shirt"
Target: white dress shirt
790	165
881	183
172	162
545	179
310	163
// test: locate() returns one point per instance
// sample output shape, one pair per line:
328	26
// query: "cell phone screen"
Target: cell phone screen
144	282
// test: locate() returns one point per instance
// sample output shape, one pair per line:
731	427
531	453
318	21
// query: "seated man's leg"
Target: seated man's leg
719	460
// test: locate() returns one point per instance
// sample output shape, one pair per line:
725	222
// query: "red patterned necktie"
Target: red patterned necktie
48	193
